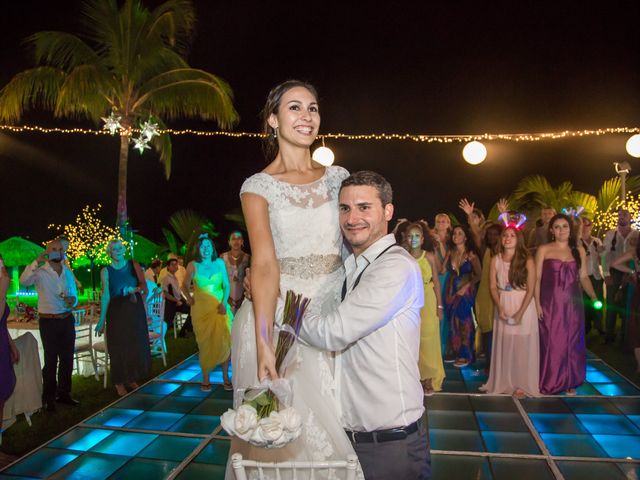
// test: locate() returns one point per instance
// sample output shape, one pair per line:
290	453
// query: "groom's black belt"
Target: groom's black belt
388	435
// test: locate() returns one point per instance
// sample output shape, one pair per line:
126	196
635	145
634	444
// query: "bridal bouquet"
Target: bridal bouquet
265	417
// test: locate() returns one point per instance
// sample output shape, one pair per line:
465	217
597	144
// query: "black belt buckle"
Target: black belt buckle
389	435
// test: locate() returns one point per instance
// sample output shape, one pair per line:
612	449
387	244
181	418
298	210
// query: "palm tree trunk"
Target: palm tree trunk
122	182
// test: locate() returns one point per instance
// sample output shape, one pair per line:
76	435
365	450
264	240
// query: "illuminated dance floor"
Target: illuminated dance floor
169	428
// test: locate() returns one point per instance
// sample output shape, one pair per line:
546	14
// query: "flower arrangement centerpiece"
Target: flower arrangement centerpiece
264	415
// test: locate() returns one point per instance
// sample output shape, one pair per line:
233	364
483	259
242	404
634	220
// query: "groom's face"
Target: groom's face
363	218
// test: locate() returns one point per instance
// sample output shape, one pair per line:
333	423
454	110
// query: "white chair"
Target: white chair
101	355
156	325
266	470
83	349
178	322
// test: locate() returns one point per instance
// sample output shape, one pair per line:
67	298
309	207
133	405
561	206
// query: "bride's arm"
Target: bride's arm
265	279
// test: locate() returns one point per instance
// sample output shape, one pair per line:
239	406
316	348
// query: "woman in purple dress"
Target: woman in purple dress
561	268
8	351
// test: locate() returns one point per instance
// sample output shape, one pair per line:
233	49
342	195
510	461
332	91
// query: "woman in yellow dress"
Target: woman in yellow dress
210	312
430	363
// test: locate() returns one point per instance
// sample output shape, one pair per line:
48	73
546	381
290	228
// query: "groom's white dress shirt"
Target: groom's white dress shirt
376	329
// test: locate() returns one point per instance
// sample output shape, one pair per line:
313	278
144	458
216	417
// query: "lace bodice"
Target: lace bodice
306	233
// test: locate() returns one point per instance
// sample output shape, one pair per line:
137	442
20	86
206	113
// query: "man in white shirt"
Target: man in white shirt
376	329
593	248
617	242
57	295
172	294
151	273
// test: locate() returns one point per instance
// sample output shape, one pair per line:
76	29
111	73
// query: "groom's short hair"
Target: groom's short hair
370	179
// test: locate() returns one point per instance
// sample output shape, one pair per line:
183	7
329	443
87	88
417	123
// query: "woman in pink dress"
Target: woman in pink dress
515	356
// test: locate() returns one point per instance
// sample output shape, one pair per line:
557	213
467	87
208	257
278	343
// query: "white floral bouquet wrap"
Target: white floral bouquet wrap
264	415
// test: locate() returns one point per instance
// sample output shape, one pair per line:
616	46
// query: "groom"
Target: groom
376	329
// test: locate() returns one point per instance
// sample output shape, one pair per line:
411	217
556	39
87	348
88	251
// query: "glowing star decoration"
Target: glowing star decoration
112	123
141	144
149	130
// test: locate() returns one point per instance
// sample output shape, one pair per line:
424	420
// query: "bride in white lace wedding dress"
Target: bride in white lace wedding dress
291	210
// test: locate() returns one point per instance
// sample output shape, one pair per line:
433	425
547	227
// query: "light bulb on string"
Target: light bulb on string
474	152
633	145
323	155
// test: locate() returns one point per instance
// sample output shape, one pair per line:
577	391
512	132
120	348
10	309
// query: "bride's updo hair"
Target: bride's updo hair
270	142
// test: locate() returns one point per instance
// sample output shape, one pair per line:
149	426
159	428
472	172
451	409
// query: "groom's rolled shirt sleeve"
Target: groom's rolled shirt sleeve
384	291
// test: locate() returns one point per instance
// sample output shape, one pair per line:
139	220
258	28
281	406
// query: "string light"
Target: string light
453	138
604	221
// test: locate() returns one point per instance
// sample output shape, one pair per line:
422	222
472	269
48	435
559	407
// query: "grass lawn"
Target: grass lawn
20	438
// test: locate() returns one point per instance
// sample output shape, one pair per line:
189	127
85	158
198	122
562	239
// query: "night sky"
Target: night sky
424	68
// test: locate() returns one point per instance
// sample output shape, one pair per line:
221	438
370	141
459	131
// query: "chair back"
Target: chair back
265	470
154	305
79	316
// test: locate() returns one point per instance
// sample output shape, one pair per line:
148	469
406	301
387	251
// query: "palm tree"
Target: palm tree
129	61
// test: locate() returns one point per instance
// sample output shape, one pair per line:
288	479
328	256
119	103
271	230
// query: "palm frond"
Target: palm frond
162	144
187	221
633	184
61	50
170	238
86	91
236	216
34	88
174	21
608	194
577	199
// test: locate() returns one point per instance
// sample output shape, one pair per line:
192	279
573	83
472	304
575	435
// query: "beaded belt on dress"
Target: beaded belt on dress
310	266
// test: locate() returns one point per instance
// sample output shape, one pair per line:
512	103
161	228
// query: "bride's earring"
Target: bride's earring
275	133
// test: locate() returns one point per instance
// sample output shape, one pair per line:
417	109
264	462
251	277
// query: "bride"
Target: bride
291	211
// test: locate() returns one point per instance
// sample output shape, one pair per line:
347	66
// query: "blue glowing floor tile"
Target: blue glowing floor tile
458	467
474	386
155	421
451	420
43	463
616	389
222	394
590	471
196	424
159	388
124	443
501	421
81	439
170	447
13	477
180	375
177	404
627	405
572	445
520	468
215	453
198	471
114	417
92	466
454	386
608	424
592	356
191	391
216	377
620	446
142	468
590	405
212	406
473	375
139	401
457	440
448	402
587	389
556	423
597	376
488	403
635	419
510	442
545	405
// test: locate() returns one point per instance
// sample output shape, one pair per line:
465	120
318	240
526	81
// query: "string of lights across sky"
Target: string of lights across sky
473	151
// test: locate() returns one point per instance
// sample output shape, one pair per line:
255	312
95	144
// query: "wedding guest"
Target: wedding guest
539	235
623	263
441	234
515	358
236	262
174	299
616	243
463	266
153	271
57	295
210	312
123	314
8	352
593	247
561	269
420	245
64	241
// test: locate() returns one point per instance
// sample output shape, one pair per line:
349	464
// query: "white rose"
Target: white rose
257	437
246	419
227	420
271	427
291	419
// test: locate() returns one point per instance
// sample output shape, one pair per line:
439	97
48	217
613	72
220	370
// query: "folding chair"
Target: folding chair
156	326
83	348
267	470
101	355
178	322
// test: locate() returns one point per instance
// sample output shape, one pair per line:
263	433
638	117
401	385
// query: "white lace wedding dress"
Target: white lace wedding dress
306	234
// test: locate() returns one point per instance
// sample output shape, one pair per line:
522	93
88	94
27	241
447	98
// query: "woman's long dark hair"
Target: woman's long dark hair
205	238
272	105
573	240
469	244
518	267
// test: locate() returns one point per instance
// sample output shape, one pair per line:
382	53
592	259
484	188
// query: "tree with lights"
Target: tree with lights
88	237
126	67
